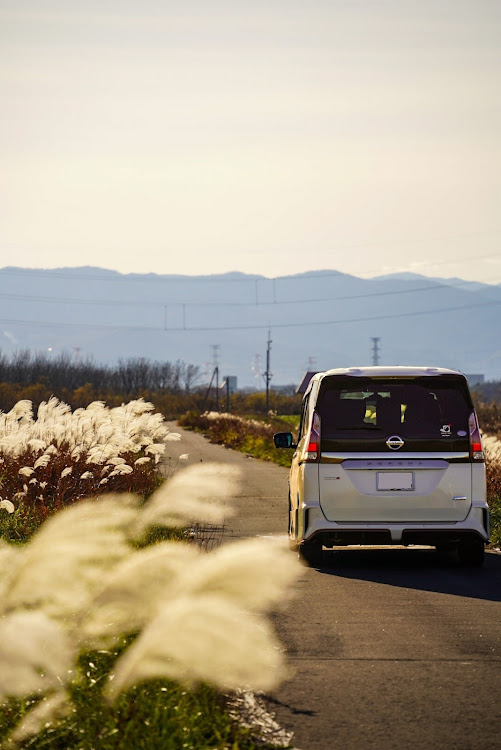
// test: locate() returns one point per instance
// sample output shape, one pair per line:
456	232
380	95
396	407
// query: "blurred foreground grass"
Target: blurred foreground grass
158	714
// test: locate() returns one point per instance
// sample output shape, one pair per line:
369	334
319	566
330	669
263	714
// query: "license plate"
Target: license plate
394	480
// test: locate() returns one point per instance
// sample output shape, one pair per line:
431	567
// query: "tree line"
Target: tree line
129	376
173	387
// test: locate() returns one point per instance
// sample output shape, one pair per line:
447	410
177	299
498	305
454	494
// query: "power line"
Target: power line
155	303
257	326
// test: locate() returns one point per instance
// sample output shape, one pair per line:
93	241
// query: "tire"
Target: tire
311	554
471	552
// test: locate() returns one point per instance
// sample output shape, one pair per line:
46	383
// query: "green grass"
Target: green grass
250	435
260	447
159	714
290	421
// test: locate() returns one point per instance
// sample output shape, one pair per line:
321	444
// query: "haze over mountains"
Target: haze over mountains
317	320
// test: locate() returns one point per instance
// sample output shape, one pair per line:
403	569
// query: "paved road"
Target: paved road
391	648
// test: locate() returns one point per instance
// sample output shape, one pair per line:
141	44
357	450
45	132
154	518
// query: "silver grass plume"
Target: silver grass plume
35	652
192	494
67	557
253	573
133	592
203	638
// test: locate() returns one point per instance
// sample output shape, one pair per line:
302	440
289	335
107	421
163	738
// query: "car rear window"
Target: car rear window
432	408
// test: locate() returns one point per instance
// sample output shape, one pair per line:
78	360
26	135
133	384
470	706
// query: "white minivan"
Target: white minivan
387	455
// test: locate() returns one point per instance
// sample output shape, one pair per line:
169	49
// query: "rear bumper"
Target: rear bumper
332	534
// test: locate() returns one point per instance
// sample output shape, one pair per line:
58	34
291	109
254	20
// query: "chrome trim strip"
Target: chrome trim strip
394	464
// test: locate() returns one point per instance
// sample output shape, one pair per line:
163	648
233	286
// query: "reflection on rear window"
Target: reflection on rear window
429	409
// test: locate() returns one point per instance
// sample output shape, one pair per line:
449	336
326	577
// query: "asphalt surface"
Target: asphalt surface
389	648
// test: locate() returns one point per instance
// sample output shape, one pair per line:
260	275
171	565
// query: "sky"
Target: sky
263	136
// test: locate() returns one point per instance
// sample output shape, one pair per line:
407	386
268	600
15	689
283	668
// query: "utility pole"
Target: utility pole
215	358
267	375
215	374
375	349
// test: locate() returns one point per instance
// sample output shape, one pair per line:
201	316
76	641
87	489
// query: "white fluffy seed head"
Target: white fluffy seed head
255	573
134	590
196	639
63	564
197	493
7	505
492	448
34	653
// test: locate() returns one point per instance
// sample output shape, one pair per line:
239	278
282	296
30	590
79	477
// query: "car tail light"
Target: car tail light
476	448
313	447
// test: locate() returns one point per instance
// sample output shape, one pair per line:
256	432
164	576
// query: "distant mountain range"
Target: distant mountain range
317	320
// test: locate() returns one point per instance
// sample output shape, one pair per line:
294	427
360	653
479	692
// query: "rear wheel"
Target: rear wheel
310	553
471	552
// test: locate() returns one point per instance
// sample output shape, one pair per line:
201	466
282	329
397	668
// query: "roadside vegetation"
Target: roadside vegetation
116	628
492	447
246	434
489	417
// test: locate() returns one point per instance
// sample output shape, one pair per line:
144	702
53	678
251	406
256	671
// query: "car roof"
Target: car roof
388	371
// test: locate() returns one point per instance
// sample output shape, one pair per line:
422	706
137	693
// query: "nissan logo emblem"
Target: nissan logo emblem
394	442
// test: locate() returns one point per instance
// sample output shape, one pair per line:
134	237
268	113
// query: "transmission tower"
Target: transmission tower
215	349
256	369
267	375
311	364
375	349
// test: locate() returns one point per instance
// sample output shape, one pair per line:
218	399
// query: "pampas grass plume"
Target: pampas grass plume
196	639
254	573
194	494
134	590
34	653
65	560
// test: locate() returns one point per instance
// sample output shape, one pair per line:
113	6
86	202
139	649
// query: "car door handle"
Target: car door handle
460	497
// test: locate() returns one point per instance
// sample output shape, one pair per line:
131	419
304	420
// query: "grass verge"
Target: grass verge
250	435
159	714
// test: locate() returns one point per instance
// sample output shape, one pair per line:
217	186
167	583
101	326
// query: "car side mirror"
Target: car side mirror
284	440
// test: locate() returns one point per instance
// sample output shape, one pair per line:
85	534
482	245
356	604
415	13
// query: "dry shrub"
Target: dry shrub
489	417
